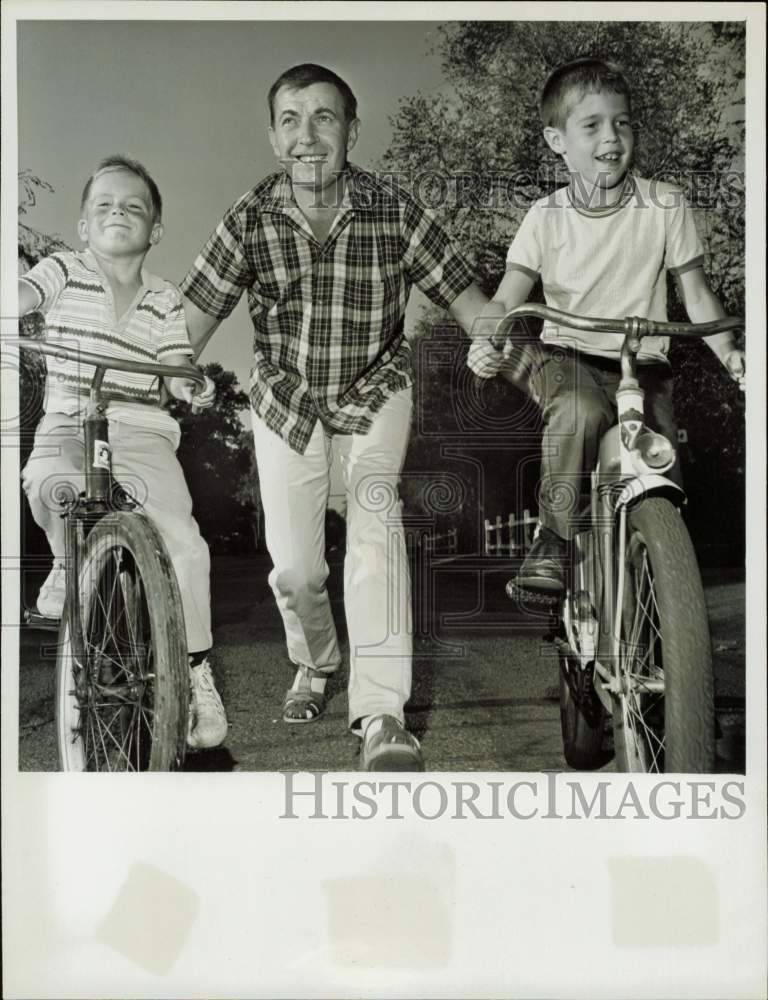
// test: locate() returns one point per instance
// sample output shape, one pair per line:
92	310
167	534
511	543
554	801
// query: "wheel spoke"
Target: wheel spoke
95	719
641	701
114	701
107	728
128	739
651	740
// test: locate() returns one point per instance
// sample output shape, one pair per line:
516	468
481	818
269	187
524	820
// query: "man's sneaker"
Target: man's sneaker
387	746
207	721
543	568
50	600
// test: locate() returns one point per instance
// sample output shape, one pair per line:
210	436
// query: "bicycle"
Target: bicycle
122	676
631	631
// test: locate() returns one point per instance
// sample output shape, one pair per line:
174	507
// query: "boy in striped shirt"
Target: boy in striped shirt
101	300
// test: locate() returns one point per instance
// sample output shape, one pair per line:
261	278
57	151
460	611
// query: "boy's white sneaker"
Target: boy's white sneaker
207	721
50	600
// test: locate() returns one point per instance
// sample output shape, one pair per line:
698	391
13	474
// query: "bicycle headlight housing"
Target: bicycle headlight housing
652	453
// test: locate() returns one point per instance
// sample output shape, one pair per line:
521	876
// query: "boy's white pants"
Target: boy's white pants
377	589
144	462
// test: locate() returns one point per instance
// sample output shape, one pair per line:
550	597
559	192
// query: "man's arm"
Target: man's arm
485	358
703	306
200	326
471	306
467	306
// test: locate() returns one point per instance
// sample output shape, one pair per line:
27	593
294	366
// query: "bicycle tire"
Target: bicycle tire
125	706
663	718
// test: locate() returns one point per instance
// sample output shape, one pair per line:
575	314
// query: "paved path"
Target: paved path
483	680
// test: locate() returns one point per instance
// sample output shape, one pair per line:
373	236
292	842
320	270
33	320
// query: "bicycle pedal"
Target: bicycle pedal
534	598
35	620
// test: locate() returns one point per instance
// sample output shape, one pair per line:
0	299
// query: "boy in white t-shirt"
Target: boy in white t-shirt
103	301
602	247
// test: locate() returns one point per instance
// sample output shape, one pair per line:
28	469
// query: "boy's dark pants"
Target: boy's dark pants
577	396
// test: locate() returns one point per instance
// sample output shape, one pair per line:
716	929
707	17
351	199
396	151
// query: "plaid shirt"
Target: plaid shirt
329	342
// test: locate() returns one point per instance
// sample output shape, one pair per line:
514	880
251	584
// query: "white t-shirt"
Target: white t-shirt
608	262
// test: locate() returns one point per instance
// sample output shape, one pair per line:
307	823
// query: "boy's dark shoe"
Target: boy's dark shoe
544	567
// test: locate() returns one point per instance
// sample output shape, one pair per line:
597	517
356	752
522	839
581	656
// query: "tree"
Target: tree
218	464
34	245
475	154
248	492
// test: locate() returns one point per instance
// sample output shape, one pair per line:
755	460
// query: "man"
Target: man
327	254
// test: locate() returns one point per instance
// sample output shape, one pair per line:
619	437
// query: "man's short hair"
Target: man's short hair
299	77
119	162
567	84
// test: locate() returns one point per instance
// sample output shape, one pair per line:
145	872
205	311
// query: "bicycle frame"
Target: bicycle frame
631	465
90	506
101	494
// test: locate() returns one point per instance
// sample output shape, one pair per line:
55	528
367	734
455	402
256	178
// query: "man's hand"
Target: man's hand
484	359
205	397
187	390
735	366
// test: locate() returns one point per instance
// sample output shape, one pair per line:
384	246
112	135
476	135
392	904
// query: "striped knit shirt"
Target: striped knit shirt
328	318
76	300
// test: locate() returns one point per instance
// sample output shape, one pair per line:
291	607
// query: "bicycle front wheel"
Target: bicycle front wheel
663	716
122	698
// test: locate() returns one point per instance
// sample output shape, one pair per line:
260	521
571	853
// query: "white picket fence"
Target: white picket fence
447	542
509	537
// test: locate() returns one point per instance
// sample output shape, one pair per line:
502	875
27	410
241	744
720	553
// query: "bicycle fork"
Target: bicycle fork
85	510
643	458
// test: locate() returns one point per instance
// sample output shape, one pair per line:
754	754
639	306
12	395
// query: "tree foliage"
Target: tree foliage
474	152
33	244
217	457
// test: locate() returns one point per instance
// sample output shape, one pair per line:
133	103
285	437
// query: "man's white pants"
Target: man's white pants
377	588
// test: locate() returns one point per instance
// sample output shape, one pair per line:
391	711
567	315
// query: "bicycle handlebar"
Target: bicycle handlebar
114	364
634	326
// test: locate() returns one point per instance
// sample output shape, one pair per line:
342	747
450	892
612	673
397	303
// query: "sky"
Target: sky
188	99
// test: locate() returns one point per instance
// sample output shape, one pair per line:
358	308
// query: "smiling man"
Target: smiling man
327	254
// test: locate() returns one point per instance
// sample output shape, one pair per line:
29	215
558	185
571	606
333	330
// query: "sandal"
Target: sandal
388	747
305	701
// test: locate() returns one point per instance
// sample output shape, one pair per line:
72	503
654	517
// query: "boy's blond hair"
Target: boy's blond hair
119	162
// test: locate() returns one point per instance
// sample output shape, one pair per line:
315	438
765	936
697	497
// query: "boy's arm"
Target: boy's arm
703	306
485	359
28	300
